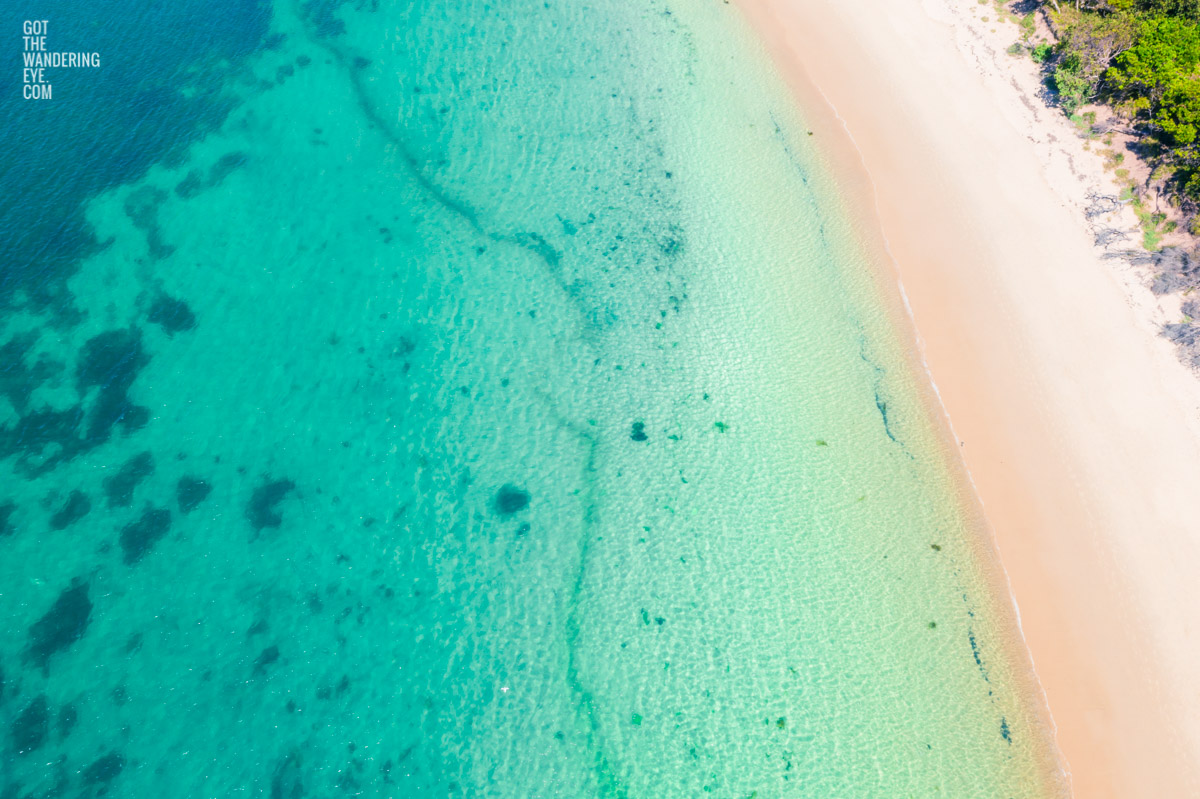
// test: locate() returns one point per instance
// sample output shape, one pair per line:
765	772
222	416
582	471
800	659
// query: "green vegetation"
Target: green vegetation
1028	27
1141	58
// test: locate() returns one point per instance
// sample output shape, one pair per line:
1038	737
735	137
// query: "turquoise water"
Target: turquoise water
469	399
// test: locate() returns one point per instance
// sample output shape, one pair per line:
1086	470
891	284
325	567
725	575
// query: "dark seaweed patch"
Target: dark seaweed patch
31	725
18	381
172	315
191	185
142	207
104	770
266	658
535	243
119	487
510	499
225	166
112	357
285	781
140	536
112	361
67	718
881	406
134	418
36	431
321	14
260	511
195	182
671	245
75	508
6	511
62	625
974	648
190	492
1005	732
638	433
975	651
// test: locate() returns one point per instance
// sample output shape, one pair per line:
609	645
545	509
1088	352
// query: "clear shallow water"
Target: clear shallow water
470	400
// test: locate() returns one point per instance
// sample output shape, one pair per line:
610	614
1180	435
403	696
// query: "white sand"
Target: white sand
1080	428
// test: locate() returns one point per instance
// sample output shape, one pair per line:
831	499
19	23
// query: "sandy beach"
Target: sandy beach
1078	426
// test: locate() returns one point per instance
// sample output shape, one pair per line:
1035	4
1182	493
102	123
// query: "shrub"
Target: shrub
1073	88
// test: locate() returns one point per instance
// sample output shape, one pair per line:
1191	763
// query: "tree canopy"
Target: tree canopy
1165	53
1143	57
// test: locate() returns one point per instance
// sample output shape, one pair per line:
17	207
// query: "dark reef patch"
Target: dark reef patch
190	492
638	432
260	510
6	511
75	508
510	499
106	769
1005	732
62	625
140	536
172	315
30	727
119	487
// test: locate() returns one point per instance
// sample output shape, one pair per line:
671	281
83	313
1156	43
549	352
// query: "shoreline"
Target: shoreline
1079	430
